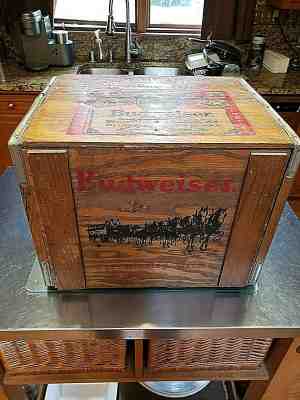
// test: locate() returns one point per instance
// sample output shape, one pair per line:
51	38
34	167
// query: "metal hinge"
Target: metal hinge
255	274
294	163
48	274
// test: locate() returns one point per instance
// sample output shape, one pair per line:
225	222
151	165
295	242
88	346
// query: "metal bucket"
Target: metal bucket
175	389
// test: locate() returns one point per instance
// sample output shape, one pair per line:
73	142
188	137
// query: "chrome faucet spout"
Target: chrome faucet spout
130	47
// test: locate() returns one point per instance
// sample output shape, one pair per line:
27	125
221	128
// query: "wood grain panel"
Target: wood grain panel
12	109
274	219
285	384
139	357
6	129
278	350
142	189
34	218
149	110
262	183
49	177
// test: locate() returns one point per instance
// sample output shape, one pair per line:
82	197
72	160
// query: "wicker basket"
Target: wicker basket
53	356
205	353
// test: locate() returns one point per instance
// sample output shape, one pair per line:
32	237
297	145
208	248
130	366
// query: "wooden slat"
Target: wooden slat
83	377
272	225
37	231
48	175
11	392
260	373
286	381
261	185
139	357
256	388
257	374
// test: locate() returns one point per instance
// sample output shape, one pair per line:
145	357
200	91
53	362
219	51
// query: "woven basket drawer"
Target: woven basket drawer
205	353
63	356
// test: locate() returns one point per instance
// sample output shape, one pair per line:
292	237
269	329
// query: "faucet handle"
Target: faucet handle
97	34
136	49
111	26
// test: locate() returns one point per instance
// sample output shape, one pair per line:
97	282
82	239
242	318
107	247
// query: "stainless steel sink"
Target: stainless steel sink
95	70
153	71
158	71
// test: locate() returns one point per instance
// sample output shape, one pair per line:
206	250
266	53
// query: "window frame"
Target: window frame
141	24
238	14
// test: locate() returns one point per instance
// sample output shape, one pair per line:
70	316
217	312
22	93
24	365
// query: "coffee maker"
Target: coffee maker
41	46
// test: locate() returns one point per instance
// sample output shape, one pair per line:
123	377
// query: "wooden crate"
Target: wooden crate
153	182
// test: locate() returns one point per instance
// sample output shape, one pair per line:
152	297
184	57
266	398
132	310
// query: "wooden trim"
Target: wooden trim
10	392
83	377
219	19
260	373
285	383
53	189
273	223
33	215
262	183
277	353
142	15
244	19
139	357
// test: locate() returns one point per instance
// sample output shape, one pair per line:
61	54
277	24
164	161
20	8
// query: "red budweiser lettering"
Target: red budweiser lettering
90	181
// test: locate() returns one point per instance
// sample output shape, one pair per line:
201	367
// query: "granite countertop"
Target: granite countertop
17	79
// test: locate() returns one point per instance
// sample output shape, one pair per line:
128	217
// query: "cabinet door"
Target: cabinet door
6	130
12	110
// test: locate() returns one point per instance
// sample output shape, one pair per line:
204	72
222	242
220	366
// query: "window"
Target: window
176	12
151	14
230	19
92	10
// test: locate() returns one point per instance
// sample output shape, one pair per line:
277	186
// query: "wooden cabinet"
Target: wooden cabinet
12	109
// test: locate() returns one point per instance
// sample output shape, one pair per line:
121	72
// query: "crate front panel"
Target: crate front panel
155	218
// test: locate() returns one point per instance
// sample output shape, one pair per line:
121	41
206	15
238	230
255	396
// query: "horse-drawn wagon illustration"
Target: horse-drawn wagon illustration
194	231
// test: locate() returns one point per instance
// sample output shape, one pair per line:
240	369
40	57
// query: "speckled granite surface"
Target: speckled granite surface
283	84
17	79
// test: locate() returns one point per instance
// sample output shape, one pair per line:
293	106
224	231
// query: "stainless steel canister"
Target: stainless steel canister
60	36
31	23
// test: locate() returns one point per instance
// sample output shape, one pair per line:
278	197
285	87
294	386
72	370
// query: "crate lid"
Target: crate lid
114	110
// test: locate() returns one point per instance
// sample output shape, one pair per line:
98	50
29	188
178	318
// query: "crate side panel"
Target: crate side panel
49	177
262	183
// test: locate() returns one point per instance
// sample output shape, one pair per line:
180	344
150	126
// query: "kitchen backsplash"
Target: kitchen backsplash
264	23
168	48
174	48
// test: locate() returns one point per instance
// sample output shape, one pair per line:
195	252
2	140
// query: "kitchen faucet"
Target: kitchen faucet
132	48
